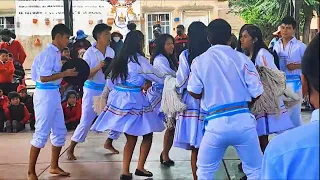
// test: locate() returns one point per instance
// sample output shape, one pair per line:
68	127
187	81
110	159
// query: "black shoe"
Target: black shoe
166	163
125	177
140	173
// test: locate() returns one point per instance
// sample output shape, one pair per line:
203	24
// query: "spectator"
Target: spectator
72	111
80	44
18	74
66	53
132	26
6	72
17	114
13	46
116	42
156	33
233	41
3	105
276	37
181	41
27	100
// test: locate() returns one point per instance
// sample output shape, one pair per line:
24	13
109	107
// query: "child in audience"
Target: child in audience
66	53
6	72
27	100
17	114
64	86
72	111
3	105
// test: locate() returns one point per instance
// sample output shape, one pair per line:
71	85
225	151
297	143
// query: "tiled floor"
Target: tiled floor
95	163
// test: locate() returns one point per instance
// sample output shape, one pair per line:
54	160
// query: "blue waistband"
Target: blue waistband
295	80
127	87
95	86
227	110
293	77
159	86
46	86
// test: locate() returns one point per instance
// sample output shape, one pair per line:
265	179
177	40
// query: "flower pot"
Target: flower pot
110	21
37	42
34	21
90	22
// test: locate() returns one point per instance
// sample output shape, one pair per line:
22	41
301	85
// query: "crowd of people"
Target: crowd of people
217	81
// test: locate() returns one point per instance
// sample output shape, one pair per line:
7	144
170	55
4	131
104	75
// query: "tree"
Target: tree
268	14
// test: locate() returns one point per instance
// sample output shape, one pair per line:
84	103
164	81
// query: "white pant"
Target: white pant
238	131
295	115
87	116
49	117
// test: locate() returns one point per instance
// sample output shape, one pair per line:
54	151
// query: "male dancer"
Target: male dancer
230	81
290	51
46	72
95	57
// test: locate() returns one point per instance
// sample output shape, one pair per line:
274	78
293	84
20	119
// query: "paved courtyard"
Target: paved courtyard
94	162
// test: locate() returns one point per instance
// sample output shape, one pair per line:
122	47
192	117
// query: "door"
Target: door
189	17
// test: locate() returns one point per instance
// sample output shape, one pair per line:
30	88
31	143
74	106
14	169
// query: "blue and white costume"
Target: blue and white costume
294	154
189	125
47	99
128	109
271	123
154	93
228	80
92	87
292	54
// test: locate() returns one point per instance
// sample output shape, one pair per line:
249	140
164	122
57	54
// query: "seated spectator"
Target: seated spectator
17	114
66	53
3	105
13	46
27	100
18	74
72	111
6	72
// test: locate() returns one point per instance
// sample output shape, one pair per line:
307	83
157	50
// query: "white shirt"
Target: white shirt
47	63
265	58
93	57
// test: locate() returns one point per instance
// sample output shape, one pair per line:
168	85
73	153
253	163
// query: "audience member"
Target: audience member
72	111
17	114
66	53
27	100
180	41
13	46
18	74
3	105
6	72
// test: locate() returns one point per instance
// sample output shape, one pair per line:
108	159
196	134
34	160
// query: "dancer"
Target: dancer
226	81
95	57
189	126
46	72
164	60
295	153
128	110
290	51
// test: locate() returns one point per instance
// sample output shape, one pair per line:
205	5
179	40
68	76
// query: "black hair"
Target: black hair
132	26
219	32
180	26
133	45
159	49
99	28
233	41
66	49
288	20
69	93
13	95
239	37
63	58
60	29
255	32
197	40
4	51
310	63
156	25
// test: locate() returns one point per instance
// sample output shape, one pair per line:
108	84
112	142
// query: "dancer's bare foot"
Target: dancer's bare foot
59	172
108	145
32	176
71	156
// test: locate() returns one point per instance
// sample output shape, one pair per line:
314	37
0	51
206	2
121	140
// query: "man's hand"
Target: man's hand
70	72
292	67
100	65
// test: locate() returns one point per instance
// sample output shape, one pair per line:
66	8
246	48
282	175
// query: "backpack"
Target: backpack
276	57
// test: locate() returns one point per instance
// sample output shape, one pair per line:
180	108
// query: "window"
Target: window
7	23
163	19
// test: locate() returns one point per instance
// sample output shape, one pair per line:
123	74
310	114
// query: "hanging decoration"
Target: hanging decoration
47	21
122	12
35	20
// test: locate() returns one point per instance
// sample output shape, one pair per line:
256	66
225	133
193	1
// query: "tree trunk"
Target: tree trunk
308	14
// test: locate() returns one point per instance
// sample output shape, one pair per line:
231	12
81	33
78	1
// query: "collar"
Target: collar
97	50
10	42
315	115
181	37
51	46
69	105
293	40
219	46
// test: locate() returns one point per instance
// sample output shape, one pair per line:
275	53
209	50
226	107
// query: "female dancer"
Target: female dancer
189	126
163	59
128	110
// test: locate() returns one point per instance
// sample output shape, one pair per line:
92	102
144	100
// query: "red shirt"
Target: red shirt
71	113
4	102
16	49
26	116
6	71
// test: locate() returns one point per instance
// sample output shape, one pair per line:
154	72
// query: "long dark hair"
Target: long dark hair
240	35
198	42
133	45
255	32
159	49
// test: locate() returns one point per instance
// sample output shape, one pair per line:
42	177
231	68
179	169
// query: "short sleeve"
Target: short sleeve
111	52
195	84
87	58
162	64
252	80
265	58
183	72
46	63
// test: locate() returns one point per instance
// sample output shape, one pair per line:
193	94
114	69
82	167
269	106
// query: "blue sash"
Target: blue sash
95	86
46	86
295	82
